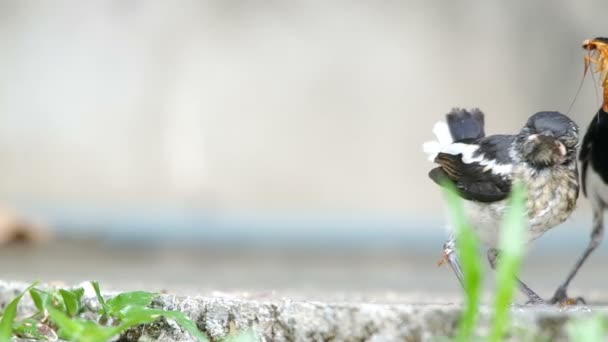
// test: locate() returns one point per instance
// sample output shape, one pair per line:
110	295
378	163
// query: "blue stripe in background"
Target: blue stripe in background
191	226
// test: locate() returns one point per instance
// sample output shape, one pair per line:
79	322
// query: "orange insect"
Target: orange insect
598	56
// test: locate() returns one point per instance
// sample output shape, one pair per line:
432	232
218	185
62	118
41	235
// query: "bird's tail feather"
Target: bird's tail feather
461	124
465	124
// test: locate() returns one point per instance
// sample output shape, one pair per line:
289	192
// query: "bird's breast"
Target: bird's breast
552	195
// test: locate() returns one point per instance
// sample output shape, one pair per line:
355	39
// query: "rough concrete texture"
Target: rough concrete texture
277	319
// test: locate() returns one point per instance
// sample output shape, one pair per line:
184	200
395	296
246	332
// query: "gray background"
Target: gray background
267	125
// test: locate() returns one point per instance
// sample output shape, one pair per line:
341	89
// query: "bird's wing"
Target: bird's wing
480	169
585	154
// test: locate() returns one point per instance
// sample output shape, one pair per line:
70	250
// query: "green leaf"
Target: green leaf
186	323
88	331
511	246
467	251
139	314
134	315
43	299
78	292
75	329
8	317
104	307
71	302
81	330
131	308
27	328
67	327
32	329
39	298
123	300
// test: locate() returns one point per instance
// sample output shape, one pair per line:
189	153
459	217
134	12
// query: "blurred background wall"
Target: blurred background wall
148	114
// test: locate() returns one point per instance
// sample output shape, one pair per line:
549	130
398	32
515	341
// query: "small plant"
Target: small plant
8	317
471	265
511	245
588	329
58	315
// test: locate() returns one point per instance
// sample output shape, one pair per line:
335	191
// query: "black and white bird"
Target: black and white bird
594	174
483	168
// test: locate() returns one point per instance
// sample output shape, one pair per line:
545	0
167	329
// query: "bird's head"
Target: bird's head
547	139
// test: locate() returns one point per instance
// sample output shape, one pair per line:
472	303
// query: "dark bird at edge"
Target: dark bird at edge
594	169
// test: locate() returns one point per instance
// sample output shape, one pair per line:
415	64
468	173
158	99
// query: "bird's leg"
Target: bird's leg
533	298
449	254
561	295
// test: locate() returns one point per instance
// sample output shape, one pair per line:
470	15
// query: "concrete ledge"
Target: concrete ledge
286	320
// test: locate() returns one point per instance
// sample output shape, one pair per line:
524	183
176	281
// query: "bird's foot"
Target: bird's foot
561	298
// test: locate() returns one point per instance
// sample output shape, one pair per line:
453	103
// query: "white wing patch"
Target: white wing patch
444	138
466	150
500	169
445	144
468	157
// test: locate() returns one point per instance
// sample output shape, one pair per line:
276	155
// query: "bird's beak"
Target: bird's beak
561	149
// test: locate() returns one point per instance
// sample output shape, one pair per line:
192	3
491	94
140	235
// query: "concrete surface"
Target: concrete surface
281	319
300	294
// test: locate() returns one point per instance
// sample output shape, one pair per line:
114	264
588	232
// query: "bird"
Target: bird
484	168
594	171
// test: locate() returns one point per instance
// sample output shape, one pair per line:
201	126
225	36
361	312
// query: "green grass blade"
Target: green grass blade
67	328
472	273
511	247
467	251
8	317
104	307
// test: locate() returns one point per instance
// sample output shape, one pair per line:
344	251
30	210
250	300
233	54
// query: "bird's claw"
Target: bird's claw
573	301
561	298
565	302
